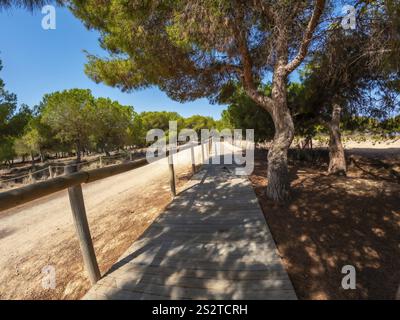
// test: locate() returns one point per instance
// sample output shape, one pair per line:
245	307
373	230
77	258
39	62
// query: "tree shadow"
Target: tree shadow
212	242
332	222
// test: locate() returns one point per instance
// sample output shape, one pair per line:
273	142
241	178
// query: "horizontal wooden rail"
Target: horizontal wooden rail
72	181
16	197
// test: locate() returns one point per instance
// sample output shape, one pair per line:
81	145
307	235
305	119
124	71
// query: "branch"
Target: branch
248	79
222	67
265	9
307	37
249	84
246	69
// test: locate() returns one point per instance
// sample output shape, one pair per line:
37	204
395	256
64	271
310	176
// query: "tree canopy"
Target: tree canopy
194	49
12	121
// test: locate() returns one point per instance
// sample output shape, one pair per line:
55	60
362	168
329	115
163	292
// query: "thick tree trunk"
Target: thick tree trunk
337	159
278	188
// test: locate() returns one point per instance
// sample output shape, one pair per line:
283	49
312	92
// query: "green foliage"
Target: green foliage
37	138
189	49
159	120
391	126
12	121
7	152
357	70
8	106
250	116
388	128
149	120
243	113
28	4
28	144
113	124
20	120
69	114
198	122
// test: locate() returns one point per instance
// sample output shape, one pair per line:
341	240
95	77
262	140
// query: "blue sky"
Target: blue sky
37	61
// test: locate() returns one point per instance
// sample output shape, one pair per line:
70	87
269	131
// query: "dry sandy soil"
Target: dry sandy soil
41	233
330	222
336	221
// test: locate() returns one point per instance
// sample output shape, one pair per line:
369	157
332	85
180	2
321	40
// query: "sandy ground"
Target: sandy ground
41	233
383	149
351	144
362	216
334	221
370	148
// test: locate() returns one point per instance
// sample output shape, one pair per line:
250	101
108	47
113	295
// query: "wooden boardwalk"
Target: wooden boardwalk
212	242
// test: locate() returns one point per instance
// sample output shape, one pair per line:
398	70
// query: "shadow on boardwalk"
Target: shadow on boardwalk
212	242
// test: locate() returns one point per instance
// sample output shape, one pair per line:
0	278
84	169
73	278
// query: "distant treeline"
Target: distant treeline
74	122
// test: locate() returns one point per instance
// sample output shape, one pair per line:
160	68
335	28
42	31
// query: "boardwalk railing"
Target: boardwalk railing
73	181
32	174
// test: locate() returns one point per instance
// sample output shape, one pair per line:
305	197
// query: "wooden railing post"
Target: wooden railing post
50	172
170	159
32	177
193	159
203	159
82	228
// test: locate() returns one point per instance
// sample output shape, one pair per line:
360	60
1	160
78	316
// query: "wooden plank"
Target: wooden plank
136	270
230	265
152	291
221	247
212	242
127	282
110	293
210	228
197	220
178	255
161	235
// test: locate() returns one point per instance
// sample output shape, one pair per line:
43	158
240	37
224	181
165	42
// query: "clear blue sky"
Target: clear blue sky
38	61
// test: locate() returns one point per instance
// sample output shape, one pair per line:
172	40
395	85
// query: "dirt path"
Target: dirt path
41	233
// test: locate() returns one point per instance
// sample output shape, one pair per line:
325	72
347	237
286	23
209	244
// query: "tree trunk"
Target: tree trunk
78	151
337	159
278	188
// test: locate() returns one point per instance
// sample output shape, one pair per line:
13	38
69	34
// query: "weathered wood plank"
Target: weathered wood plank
136	270
127	282
212	242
